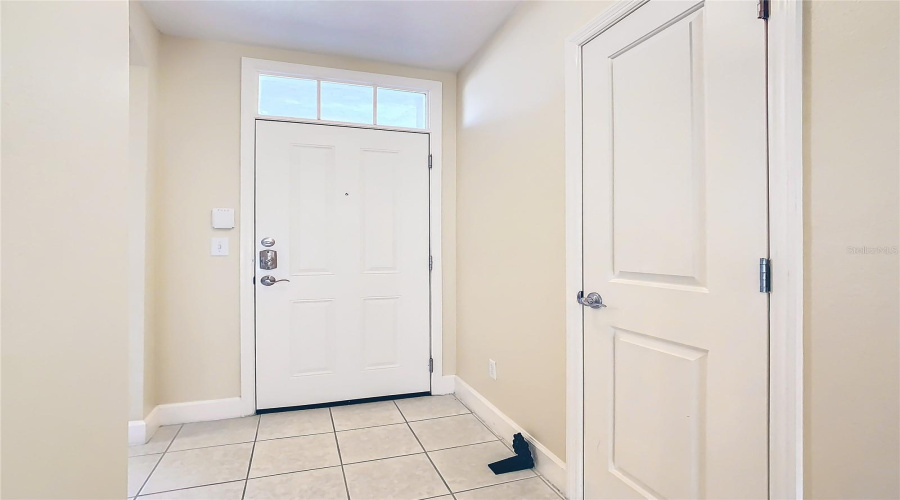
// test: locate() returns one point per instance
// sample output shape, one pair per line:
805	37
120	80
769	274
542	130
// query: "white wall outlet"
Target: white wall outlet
218	246
492	369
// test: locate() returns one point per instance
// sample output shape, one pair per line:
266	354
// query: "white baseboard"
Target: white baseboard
200	411
549	465
443	385
137	432
140	431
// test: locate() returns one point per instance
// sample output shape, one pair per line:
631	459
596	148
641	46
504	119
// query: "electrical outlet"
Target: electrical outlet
492	369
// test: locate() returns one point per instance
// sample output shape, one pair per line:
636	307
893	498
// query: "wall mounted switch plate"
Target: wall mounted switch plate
218	246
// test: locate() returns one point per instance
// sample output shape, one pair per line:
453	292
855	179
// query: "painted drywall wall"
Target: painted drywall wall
196	295
511	217
144	76
137	149
143	133
65	246
852	183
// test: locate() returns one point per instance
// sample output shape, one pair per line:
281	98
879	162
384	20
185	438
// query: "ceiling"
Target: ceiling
432	34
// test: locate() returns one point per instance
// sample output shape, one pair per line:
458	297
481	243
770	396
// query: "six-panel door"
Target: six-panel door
348	210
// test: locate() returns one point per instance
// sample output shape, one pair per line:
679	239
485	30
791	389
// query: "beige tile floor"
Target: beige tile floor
428	447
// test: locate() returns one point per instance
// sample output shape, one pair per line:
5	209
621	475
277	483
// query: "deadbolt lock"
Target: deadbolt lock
268	259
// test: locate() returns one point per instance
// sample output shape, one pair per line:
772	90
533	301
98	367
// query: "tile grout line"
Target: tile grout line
302	470
370	427
240	442
441	417
395	423
496	484
469	412
340	458
192	487
335	466
438	496
488	427
552	488
449	490
459	446
252	449
305	435
242	480
216	445
350	463
141	489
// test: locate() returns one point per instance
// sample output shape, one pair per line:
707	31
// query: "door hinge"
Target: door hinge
429	161
430	263
762	9
765	275
430	365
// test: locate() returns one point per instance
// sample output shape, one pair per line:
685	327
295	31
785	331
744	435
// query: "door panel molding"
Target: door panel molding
786	245
355	334
250	71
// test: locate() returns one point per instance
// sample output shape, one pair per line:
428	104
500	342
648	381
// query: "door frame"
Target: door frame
785	122
250	71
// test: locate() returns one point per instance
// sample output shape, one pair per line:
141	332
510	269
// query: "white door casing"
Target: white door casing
251	70
674	224
348	209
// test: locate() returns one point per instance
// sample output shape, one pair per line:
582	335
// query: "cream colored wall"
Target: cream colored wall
144	74
137	148
852	170
511	217
196	295
64	249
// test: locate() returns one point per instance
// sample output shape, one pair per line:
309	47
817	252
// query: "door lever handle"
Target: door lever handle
270	280
593	300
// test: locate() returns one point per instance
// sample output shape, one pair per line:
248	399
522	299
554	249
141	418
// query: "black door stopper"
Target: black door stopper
521	461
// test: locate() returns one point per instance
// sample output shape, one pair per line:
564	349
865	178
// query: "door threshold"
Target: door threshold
260	411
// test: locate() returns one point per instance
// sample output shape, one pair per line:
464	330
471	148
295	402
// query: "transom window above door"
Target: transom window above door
312	99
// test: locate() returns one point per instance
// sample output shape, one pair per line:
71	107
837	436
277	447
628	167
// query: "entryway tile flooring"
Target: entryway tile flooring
428	447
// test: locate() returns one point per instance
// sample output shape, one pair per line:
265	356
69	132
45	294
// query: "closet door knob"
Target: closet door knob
593	300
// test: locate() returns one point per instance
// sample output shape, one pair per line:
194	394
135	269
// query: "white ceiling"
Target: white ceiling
431	34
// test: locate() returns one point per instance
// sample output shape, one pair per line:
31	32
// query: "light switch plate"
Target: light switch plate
223	218
218	246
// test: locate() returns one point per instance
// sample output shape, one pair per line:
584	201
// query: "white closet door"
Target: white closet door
676	373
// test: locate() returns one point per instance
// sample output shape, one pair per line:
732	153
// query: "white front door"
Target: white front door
675	186
347	210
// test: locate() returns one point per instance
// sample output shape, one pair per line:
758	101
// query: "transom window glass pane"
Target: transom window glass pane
400	108
344	102
293	97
